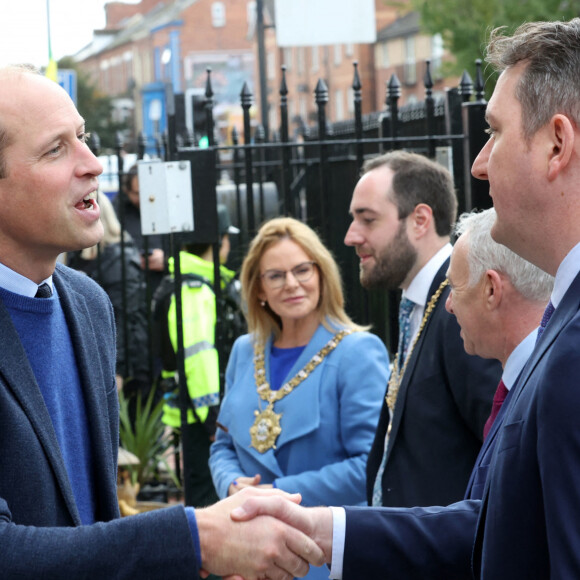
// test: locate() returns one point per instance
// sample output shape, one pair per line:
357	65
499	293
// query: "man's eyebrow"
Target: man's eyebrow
361	210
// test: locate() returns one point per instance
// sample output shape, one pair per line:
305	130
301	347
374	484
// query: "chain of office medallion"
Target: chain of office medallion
263	387
396	376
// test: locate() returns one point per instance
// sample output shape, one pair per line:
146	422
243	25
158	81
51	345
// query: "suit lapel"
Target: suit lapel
17	373
93	383
412	365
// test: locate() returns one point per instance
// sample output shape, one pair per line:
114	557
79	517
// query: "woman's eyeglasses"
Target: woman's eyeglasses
277	278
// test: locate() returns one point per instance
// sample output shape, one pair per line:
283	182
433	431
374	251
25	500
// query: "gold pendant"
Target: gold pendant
265	429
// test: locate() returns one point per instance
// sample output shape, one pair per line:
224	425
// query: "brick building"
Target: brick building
145	46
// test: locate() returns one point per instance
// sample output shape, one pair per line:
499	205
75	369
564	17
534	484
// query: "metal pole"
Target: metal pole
262	66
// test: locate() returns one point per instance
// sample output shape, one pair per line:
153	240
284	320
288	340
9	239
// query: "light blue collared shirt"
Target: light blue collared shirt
19	284
518	358
567	272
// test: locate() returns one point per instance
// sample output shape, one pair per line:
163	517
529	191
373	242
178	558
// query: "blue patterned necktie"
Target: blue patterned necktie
547	315
405	308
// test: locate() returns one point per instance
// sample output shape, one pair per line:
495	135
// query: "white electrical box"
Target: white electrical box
165	197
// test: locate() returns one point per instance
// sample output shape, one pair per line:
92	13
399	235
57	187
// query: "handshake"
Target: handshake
257	534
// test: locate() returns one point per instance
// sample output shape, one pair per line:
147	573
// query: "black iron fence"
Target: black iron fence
311	173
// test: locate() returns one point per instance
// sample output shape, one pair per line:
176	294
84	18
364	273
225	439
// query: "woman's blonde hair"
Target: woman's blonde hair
262	320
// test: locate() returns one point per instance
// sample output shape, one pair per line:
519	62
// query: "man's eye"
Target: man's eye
83	137
490	131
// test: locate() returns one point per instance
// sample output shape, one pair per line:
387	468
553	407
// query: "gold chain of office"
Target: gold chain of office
266	428
396	376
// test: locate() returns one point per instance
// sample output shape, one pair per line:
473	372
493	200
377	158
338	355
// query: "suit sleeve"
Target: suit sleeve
223	462
410	543
157	544
362	373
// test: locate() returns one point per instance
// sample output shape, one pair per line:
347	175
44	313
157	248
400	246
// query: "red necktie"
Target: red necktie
498	399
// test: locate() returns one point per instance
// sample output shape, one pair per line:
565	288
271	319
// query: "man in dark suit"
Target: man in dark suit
439	397
58	396
498	299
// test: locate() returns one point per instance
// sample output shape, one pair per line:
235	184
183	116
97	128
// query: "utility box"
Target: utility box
165	197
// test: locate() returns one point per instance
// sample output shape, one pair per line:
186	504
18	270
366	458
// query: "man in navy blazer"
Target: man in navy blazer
439	396
58	396
498	299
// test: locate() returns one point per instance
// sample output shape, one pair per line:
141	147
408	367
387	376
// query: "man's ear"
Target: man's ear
421	219
562	137
493	289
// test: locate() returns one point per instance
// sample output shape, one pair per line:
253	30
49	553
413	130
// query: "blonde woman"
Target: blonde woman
304	387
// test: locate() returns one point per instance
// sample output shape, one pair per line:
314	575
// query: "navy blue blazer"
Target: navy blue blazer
529	526
444	400
421	544
40	531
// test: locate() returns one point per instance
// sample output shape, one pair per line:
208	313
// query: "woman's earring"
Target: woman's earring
262	303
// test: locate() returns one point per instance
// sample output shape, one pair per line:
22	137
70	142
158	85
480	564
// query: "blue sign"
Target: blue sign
67	79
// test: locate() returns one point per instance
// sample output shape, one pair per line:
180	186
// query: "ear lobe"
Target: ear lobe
563	137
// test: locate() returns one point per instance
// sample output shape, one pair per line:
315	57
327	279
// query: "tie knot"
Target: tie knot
43	291
547	314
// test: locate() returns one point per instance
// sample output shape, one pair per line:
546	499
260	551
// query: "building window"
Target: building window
410	61
384	55
437	51
315	59
271	65
338	105
349	49
288	58
337	54
350	101
218	14
300	60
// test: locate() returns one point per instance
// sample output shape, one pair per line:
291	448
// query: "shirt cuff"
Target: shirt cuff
191	520
338	539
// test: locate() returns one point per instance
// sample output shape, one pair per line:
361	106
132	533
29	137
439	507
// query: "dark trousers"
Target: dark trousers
199	489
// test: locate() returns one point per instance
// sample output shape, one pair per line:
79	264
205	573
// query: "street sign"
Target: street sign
67	79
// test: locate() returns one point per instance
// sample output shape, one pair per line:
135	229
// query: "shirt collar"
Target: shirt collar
565	275
18	284
418	290
518	358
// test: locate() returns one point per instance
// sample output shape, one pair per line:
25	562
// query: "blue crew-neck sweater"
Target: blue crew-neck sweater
43	331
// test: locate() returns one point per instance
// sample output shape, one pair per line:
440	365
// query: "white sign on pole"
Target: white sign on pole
323	22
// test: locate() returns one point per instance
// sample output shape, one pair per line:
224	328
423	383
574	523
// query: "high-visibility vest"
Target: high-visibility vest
201	356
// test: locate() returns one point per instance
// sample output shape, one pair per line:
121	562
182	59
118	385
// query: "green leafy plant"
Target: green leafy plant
145	437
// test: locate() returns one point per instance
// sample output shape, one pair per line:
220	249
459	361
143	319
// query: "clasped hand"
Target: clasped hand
263	533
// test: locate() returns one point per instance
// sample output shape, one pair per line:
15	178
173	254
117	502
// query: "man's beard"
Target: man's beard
392	265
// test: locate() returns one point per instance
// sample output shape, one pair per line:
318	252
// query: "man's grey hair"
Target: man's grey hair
483	253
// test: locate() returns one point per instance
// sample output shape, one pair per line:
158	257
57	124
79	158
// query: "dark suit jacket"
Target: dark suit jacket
420	543
529	525
40	531
444	400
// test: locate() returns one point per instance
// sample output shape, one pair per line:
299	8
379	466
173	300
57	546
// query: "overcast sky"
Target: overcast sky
23	28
